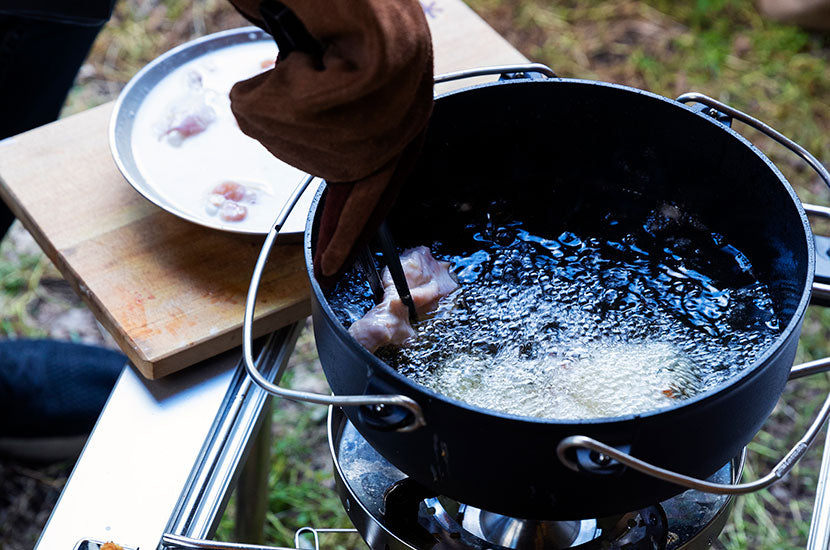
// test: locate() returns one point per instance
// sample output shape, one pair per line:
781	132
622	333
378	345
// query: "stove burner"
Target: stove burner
394	512
516	533
645	529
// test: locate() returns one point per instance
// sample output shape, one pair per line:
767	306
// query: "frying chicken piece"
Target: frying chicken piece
388	322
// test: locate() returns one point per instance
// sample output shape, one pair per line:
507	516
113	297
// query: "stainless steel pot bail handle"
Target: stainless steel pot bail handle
378	402
170	540
821	290
315	532
716	106
520	71
607	453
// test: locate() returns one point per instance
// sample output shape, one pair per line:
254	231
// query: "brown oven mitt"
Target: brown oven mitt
348	101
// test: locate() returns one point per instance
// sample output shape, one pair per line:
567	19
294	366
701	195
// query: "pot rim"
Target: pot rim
711	394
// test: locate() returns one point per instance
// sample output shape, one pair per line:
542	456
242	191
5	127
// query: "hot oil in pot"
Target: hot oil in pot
599	321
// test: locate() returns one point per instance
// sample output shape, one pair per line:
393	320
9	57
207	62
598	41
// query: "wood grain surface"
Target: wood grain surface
173	293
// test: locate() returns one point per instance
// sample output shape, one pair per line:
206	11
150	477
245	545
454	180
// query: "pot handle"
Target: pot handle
716	106
520	71
170	540
379	405
604	456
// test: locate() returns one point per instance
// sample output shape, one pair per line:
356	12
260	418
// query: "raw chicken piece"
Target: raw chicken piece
230	190
388	322
188	115
185	118
228	199
233	211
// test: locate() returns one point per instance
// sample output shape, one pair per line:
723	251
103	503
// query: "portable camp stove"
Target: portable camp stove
393	512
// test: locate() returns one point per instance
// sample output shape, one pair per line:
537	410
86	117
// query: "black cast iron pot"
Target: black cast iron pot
546	146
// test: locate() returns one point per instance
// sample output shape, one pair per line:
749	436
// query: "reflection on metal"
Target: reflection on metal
517	533
821	291
569	444
816	210
315	532
808	369
179	541
207	490
498	70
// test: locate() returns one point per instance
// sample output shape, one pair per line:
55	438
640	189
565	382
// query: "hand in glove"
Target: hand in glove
347	101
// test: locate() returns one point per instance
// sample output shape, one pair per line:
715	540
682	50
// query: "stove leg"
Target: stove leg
819	537
252	487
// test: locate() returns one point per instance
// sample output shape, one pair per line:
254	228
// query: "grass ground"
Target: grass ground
724	48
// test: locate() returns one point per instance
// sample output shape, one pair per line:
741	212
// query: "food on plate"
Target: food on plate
185	140
188	114
387	323
231	191
603	318
111	546
229	200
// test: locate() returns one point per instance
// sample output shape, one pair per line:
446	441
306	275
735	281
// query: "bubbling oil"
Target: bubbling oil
623	318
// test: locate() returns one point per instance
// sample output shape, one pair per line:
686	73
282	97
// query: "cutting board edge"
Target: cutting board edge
163	365
127	345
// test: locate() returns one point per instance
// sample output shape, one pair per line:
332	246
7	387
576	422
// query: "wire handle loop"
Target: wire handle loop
781	469
315	532
170	540
521	68
378	401
820	290
760	126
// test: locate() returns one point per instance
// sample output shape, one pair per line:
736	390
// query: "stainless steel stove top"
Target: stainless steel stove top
394	512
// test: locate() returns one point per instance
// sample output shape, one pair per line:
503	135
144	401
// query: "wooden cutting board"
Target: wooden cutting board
170	292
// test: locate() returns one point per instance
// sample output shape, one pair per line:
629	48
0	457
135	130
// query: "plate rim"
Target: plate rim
122	119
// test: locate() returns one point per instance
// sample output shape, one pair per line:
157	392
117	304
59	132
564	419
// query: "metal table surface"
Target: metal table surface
164	454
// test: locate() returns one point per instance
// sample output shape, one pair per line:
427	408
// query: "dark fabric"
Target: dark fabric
50	388
77	12
38	63
350	117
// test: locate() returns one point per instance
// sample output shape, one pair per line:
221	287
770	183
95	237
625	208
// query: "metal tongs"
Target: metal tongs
366	264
